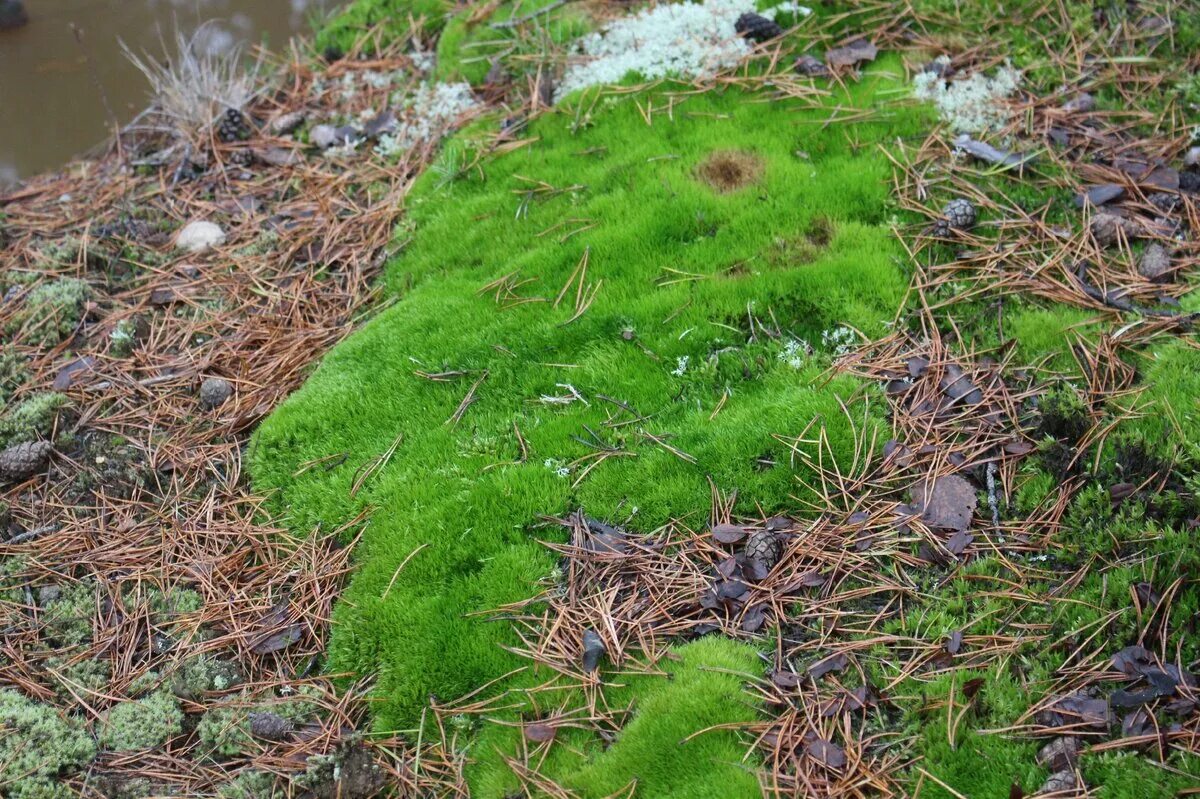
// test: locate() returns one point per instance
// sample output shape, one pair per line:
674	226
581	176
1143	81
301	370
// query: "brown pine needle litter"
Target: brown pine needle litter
151	496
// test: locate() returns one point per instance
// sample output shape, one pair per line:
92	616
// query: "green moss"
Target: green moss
1044	336
389	20
224	730
50	312
38	748
74	678
13	373
67	620
251	784
468	46
205	673
684	265
1169	415
33	418
139	724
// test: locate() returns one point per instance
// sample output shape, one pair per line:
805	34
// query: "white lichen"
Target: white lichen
969	105
681	366
786	8
795	352
429	114
839	341
684	40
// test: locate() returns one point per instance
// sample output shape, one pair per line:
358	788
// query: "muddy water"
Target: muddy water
64	79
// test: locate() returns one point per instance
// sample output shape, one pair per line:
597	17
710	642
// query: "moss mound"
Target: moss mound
600	262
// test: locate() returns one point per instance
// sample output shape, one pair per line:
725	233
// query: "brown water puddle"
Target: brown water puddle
64	78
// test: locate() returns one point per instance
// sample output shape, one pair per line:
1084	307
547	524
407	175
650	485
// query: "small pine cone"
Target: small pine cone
1106	227
233	127
1189	180
242	158
764	547
940	229
270	726
756	27
22	461
959	214
1164	201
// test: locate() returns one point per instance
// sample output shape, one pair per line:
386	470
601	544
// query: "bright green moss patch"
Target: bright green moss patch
469	44
690	303
363	22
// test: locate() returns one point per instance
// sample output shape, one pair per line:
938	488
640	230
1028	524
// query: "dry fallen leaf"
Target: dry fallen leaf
856	52
948	505
540	732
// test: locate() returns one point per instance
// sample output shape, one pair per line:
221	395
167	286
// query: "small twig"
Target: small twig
457	416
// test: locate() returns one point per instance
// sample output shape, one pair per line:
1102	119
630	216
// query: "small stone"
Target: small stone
215	391
22	461
270	726
199	236
1192	157
1059	781
323	136
1155	263
287	123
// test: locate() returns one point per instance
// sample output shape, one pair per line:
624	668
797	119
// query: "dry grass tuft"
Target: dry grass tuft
191	86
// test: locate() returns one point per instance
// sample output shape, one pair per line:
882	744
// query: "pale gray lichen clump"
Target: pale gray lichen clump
429	114
682	40
969	105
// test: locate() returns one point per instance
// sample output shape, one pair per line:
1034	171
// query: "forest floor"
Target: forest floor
818	423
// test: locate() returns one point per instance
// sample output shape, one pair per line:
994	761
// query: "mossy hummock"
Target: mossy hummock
614	255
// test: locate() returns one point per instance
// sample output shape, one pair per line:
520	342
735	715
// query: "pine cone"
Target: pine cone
1164	201
22	461
1105	228
242	158
764	547
756	27
1189	180
270	726
959	214
233	126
